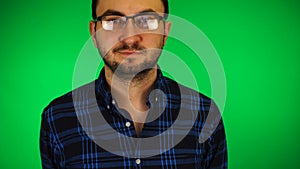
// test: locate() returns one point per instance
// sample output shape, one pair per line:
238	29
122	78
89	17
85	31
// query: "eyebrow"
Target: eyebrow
114	12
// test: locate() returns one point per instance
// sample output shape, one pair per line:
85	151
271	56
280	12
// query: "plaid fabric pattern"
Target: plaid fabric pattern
65	143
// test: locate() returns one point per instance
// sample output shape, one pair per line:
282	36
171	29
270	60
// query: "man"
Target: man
137	102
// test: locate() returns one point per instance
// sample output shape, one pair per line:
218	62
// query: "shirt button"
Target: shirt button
138	161
107	106
127	124
113	102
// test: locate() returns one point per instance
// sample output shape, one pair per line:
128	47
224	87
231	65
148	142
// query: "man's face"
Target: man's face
131	49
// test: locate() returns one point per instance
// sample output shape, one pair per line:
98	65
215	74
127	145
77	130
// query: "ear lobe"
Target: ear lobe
93	32
167	31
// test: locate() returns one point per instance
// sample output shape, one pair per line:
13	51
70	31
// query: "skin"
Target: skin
130	55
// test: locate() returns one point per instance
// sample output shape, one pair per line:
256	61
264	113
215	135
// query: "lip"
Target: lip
129	52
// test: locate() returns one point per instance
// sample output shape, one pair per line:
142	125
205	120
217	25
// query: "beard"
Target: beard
135	66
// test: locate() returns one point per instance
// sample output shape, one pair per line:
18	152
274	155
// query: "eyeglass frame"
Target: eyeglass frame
99	18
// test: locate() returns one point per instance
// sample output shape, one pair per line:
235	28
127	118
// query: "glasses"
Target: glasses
144	21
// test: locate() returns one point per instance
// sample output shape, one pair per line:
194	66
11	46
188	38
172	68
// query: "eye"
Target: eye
108	25
147	21
145	18
113	22
152	24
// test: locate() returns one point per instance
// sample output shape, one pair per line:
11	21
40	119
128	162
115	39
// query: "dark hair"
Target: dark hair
95	2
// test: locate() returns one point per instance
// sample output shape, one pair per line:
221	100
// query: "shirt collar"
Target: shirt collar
103	90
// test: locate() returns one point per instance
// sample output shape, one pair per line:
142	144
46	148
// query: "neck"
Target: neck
131	92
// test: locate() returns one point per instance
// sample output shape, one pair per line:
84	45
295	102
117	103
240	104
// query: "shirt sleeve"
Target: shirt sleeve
218	149
47	151
213	148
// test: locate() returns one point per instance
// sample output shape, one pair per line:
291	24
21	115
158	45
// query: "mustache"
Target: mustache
134	46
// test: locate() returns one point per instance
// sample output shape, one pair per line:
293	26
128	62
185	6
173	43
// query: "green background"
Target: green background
258	43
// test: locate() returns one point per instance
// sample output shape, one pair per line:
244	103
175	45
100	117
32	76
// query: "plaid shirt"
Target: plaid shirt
65	143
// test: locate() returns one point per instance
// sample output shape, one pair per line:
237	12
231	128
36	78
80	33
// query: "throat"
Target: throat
138	128
132	95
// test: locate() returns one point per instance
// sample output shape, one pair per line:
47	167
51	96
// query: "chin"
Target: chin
133	70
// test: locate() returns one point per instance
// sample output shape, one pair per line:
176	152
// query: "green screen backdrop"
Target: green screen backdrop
257	41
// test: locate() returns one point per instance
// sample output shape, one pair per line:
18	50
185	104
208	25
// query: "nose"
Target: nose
130	34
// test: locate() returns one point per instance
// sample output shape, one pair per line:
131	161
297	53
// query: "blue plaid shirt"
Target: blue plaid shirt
64	143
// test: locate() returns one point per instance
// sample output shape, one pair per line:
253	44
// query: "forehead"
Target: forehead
129	7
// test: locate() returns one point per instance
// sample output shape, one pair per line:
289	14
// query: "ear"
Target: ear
93	32
167	31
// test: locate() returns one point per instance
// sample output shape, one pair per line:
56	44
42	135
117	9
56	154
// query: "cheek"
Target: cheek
105	41
153	40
